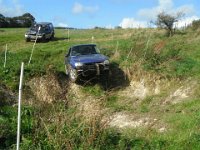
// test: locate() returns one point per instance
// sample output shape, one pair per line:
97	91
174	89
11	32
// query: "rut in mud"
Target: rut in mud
55	87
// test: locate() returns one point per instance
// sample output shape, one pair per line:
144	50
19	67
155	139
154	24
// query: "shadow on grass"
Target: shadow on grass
116	79
49	40
60	38
63	79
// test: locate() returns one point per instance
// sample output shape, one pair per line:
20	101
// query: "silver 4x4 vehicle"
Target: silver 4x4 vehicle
40	31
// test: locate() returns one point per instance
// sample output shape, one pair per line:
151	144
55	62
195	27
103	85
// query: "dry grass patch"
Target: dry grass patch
48	88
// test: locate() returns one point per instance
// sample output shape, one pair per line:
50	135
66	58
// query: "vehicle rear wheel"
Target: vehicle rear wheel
73	75
52	37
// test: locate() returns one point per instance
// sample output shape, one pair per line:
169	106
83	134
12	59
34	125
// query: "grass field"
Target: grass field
150	102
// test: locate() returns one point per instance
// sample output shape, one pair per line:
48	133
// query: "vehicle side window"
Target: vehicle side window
51	26
96	49
93	50
47	28
75	51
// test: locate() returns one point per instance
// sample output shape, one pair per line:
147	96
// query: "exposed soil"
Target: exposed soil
182	93
126	120
55	86
144	85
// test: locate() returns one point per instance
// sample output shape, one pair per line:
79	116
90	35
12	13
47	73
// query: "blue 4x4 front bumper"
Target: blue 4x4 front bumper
92	68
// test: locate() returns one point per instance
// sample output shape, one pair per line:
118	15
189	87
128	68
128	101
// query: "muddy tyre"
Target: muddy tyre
43	38
73	75
66	70
28	39
52	37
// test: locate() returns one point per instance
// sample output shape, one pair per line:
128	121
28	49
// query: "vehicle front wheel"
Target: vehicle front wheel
28	39
73	75
66	70
43	38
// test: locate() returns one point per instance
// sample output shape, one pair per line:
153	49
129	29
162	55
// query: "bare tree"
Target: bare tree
167	21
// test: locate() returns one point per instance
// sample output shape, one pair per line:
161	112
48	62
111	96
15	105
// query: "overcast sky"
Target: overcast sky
102	13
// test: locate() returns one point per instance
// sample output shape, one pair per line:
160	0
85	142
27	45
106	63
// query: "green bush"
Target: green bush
196	24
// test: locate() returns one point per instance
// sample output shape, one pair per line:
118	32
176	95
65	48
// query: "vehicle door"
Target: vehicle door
47	31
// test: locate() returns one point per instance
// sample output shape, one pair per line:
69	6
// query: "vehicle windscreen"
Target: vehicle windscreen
84	50
36	28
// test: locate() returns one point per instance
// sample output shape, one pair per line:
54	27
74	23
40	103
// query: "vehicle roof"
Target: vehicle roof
83	45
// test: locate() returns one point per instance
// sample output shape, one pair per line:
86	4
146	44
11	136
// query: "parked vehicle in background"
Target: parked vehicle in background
41	31
85	60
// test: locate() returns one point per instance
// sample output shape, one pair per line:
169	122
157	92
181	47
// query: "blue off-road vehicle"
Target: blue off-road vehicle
85	60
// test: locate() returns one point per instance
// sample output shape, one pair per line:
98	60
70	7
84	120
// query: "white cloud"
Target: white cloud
79	8
121	1
109	27
150	14
132	23
186	21
15	9
187	9
61	24
166	6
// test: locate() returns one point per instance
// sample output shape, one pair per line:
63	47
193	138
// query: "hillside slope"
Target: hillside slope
151	100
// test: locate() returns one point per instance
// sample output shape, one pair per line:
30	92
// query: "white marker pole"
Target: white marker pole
117	46
68	35
5	56
34	46
19	106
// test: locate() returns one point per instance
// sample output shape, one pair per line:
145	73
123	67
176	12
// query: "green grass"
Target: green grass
8	124
57	126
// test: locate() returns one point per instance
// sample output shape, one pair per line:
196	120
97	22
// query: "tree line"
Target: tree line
25	20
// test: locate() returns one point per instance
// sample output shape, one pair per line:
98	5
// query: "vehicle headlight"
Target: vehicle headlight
78	64
106	62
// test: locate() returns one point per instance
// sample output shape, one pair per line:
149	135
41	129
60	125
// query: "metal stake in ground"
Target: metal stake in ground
34	45
19	106
5	56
